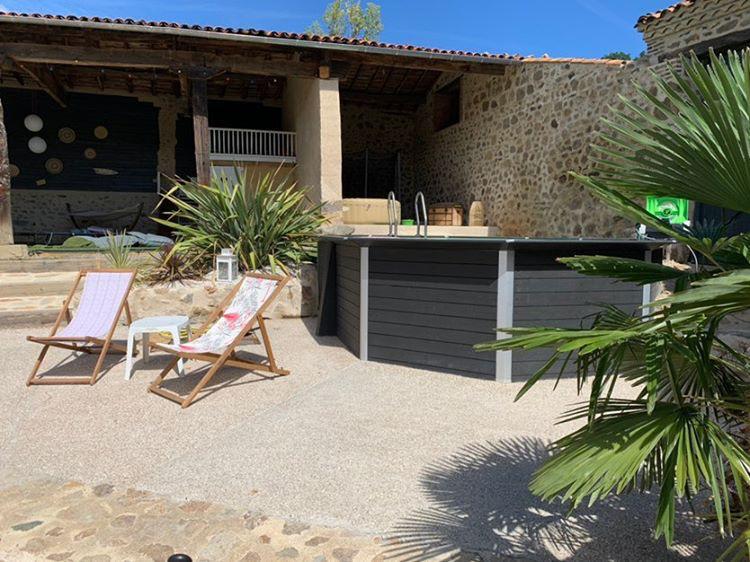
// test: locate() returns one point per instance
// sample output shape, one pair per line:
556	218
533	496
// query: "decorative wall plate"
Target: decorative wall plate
105	172
33	122
37	145
14	171
101	132
41	182
54	166
89	153
66	135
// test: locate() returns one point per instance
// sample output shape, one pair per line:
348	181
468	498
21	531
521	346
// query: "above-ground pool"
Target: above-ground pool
424	302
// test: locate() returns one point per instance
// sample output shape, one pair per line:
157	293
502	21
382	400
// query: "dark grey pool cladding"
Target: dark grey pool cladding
425	302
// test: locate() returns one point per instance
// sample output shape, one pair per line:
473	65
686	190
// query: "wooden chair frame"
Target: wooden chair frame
228	356
85	344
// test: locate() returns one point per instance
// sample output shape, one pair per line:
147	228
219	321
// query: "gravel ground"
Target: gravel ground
435	460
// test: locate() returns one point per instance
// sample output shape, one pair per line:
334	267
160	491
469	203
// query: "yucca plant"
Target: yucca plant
269	223
118	252
685	430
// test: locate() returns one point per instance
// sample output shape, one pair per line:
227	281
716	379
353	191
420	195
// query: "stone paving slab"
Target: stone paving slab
47	520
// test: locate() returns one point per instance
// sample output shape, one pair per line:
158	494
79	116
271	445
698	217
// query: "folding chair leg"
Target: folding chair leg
207	377
100	362
269	350
38	364
160	377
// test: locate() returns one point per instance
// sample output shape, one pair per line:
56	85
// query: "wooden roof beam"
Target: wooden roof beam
46	79
150	59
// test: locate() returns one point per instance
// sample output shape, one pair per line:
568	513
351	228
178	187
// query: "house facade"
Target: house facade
101	114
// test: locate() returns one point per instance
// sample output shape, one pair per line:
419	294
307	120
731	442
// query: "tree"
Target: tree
347	18
686	430
618	55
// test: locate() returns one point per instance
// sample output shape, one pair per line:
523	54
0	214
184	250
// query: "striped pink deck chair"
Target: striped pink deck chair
224	330
104	297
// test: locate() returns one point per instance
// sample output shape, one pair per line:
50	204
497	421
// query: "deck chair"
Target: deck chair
104	297
234	319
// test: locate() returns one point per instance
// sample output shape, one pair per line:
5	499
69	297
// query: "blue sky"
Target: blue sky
560	28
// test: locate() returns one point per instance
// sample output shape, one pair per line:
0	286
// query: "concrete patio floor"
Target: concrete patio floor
439	462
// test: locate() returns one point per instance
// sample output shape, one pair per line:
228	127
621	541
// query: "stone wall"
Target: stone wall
380	130
44	210
518	137
699	24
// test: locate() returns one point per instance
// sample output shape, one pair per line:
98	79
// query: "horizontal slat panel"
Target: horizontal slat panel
348	262
435	308
348	299
425	346
343	273
569	298
429	320
457	256
348	316
545	313
430	295
429	361
434	269
533	260
431	282
577	284
347	251
447	334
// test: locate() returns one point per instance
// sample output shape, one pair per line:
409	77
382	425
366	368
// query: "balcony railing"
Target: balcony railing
252	145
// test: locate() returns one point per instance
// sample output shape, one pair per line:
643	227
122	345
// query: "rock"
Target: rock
316	541
157	552
103	490
344	554
288	553
27	526
291	528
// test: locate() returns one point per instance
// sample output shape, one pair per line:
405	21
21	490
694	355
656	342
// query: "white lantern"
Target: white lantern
227	266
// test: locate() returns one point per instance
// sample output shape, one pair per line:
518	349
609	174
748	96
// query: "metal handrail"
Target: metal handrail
252	144
420	197
392	220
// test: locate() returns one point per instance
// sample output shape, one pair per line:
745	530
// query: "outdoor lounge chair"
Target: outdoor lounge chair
104	297
226	327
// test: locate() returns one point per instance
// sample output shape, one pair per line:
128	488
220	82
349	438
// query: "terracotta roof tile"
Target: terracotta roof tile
259	33
52	18
648	18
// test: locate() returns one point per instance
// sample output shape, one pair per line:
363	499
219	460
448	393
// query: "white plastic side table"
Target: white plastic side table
153	325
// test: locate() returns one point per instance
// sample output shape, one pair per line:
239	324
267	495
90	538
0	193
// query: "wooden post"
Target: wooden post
6	224
200	130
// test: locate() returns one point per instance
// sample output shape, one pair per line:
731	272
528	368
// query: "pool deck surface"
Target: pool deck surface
371	459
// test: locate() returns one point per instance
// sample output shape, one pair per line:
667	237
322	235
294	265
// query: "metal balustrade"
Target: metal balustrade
252	145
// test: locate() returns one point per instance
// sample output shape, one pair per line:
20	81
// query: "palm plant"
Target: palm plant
269	224
683	432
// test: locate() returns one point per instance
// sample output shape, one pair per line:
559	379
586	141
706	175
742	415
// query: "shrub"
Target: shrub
270	224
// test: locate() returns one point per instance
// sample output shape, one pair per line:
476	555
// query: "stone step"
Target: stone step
29	311
36	284
62	262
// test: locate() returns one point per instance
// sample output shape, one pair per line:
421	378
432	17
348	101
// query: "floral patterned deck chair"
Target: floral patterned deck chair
224	330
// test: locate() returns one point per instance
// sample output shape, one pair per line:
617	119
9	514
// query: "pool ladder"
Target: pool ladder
392	215
417	200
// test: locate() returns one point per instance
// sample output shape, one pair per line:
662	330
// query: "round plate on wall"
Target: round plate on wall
105	172
33	122
37	145
54	166
66	135
89	153
101	132
15	171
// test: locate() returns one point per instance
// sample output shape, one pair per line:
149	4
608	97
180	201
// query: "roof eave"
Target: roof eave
474	59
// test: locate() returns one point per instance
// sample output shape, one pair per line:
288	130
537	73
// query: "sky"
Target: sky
559	28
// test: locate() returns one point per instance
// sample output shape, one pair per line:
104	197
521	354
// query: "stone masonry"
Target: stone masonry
518	137
694	25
